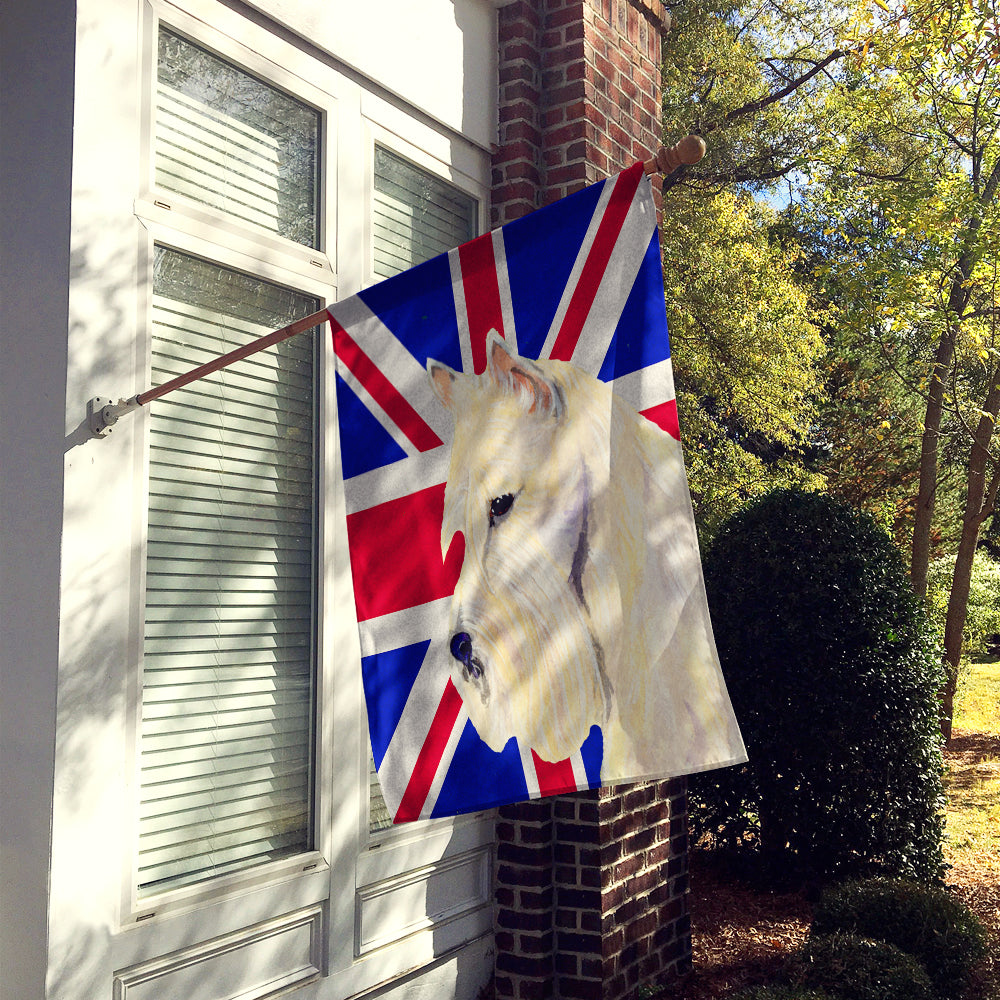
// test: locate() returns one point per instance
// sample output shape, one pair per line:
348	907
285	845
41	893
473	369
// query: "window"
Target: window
415	215
251	803
228	679
228	140
229	646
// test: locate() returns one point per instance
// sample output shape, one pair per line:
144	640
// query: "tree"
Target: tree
982	621
913	190
747	356
746	77
881	121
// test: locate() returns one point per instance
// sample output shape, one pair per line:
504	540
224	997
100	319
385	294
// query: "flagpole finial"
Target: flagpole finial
668	158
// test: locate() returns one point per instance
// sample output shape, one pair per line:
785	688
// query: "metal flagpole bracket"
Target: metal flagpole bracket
103	413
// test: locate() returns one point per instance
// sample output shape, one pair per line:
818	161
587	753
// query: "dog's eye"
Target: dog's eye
500	505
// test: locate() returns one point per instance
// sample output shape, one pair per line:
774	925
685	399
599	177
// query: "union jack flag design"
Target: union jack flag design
580	281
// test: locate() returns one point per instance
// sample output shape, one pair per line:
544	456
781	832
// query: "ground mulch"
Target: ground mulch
975	877
742	934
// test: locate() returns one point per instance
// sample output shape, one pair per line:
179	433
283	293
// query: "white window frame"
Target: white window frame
180	224
350	874
388	858
400	140
135	908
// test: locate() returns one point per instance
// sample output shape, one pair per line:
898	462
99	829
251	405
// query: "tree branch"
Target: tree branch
753	107
899	176
723	178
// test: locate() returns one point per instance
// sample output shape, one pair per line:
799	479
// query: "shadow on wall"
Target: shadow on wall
89	834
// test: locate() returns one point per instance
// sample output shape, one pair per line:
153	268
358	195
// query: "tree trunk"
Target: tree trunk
920	553
980	499
958	299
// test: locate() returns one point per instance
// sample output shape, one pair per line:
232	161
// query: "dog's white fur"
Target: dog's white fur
583	601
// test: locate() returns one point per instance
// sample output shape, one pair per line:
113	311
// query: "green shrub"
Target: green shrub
834	674
925	922
856	968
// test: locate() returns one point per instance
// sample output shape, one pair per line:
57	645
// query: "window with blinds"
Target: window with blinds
416	216
228	677
225	139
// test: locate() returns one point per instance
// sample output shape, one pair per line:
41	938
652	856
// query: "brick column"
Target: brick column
591	893
524	902
579	96
591	888
517	160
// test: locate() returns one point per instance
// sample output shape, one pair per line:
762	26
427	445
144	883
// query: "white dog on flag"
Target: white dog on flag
580	600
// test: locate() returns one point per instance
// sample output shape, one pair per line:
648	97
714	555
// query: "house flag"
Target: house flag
526	573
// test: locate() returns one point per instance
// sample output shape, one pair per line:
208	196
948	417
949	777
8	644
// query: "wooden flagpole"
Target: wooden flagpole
688	151
103	413
260	344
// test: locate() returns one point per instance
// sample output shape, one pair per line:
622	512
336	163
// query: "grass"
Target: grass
978	698
973	809
973	782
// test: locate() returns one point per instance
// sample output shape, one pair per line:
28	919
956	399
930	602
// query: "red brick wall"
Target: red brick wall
579	96
591	893
591	889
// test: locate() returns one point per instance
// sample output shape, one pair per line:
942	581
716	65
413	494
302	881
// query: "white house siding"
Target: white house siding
396	42
36	116
407	915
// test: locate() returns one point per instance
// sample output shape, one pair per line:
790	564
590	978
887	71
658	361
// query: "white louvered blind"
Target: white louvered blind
228	660
415	217
228	140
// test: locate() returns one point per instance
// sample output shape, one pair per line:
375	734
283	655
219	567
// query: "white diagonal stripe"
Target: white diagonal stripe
371	404
577	269
616	283
530	775
503	284
446	758
579	771
647	387
396	766
409	376
461	309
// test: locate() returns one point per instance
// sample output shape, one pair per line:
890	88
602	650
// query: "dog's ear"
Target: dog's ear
519	375
442	381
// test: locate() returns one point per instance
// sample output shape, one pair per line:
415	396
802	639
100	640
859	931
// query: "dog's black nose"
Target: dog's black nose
461	648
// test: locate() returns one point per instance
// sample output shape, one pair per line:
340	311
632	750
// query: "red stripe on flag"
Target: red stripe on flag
554	779
396	554
402	414
429	758
608	230
665	417
482	295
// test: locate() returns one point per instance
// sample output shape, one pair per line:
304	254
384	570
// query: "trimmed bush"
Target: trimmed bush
925	922
834	673
856	968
